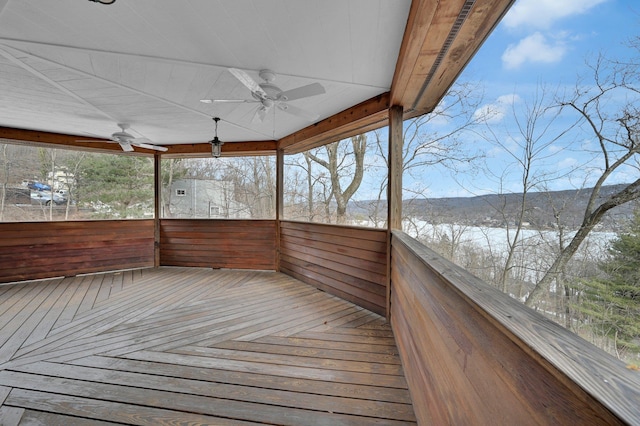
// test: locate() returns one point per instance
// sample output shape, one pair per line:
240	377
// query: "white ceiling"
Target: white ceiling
78	67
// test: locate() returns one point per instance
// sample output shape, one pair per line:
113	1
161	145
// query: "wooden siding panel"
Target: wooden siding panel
239	244
31	250
350	263
472	355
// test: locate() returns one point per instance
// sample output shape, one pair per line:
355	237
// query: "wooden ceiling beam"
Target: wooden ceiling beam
58	140
230	149
439	40
368	115
413	52
481	20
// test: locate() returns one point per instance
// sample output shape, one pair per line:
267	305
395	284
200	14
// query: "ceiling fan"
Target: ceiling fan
268	95
128	141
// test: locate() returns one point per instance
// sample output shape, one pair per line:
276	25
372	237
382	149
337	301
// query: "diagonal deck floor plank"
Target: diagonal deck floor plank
194	346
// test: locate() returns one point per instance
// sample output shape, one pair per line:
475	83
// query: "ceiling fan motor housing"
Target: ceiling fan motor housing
273	92
122	136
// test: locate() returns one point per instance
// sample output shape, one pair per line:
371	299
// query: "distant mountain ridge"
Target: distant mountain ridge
544	210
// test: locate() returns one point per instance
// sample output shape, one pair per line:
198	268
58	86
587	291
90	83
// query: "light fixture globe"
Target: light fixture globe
216	144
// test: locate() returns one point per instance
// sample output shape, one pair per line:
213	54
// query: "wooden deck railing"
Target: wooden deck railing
473	355
240	244
30	250
348	262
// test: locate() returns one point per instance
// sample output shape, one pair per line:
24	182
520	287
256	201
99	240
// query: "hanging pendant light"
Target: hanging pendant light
104	1
216	144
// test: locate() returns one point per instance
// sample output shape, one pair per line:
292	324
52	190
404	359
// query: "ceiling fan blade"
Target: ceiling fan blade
94	140
126	146
211	101
298	112
303	92
150	146
250	83
260	114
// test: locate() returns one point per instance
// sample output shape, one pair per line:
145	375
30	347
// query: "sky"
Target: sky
539	42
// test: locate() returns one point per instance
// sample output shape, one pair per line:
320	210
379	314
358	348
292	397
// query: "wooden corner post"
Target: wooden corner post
157	195
279	201
394	187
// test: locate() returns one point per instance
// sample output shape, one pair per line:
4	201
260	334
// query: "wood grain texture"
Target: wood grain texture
472	355
31	250
440	37
348	262
361	118
194	346
241	244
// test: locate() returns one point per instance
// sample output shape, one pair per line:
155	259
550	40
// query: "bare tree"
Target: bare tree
615	125
342	163
528	148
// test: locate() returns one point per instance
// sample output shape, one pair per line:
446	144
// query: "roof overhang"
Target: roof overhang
61	89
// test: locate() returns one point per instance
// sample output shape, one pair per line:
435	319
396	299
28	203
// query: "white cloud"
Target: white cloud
544	13
496	111
567	163
535	49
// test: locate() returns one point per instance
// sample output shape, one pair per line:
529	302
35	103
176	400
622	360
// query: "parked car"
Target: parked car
45	197
38	186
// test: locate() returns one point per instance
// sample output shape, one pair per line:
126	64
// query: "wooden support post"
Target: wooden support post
394	187
157	191
279	201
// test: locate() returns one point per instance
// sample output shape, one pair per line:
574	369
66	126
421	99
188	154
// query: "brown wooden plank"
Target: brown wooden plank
69	304
361	118
373	271
312	323
253	379
157	399
476	23
178	333
351	338
231	392
229	327
16	300
320	342
362	285
348	262
55	306
98	321
234	149
346	293
218	243
342	235
10	416
191	358
122	413
31	250
376	321
285	347
64	326
92	293
16	331
359	314
347	255
247	352
32	417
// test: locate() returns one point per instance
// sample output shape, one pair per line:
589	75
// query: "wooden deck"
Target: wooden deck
194	346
